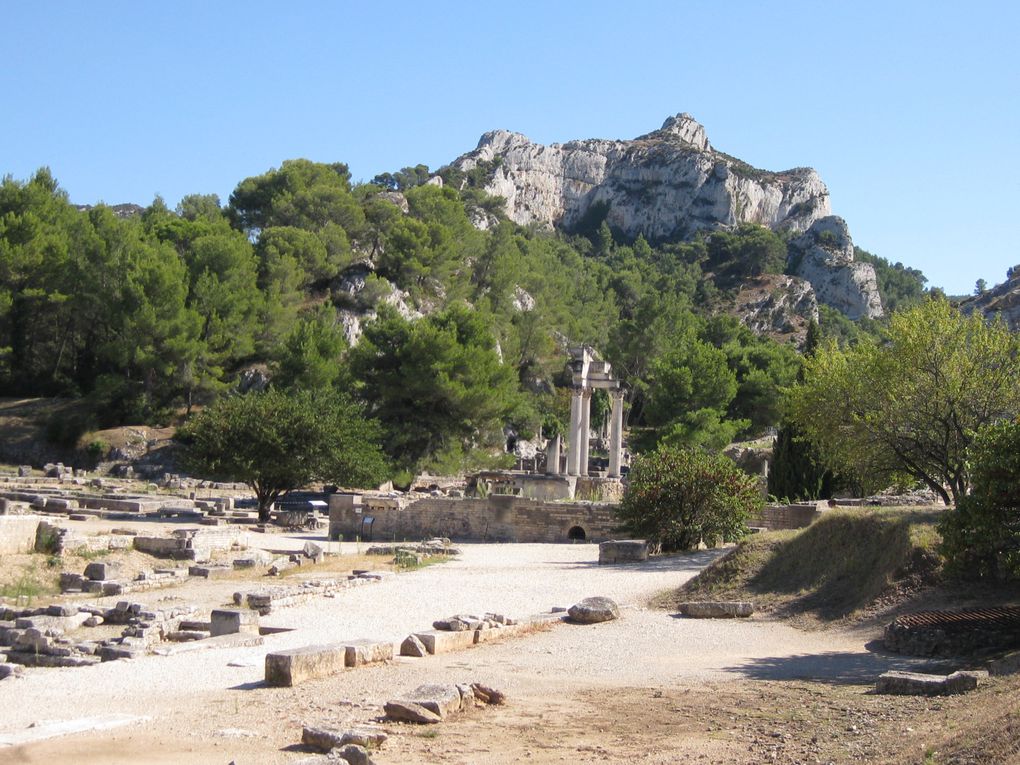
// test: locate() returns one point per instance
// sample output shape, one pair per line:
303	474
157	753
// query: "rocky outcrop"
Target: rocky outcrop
666	184
358	291
824	256
1002	301
777	305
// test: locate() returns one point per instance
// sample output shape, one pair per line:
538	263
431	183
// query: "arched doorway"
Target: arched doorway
576	534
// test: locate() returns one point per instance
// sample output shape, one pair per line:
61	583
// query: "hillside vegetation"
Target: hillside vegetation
846	564
313	281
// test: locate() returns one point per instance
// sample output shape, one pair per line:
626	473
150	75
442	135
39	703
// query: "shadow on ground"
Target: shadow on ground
838	667
693	561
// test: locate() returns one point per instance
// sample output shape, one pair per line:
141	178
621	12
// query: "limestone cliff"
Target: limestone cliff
672	184
668	183
824	256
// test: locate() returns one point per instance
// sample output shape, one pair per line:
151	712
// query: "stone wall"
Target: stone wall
498	518
781	517
17	533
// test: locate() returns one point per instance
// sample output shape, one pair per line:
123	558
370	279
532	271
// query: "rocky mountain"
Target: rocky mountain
671	184
666	184
824	256
1001	301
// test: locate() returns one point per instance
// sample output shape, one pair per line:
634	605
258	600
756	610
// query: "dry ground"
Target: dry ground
647	688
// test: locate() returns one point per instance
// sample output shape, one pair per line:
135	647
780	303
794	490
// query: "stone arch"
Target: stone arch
577	534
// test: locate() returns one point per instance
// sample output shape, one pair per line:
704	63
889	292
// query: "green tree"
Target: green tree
677	497
913	404
310	357
437	384
277	441
981	537
689	390
898	285
795	472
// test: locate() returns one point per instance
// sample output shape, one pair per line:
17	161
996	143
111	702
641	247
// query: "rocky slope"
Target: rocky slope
672	184
824	256
665	184
1001	301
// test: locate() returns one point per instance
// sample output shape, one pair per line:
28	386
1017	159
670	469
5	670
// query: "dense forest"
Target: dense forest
460	319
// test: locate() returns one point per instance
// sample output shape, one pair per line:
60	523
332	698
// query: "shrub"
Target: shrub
677	497
981	537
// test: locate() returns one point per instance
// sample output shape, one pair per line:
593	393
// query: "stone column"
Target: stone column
582	459
616	434
574	436
552	456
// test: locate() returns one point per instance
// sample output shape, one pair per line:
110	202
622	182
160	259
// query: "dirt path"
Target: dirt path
571	686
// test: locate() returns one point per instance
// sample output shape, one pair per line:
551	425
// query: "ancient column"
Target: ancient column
574	436
552	456
582	459
616	434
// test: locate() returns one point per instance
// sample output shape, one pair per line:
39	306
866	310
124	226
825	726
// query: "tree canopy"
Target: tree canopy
148	313
277	441
981	537
911	405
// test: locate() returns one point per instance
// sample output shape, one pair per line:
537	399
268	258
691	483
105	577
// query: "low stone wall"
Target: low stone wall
192	544
782	517
498	518
17	533
52	538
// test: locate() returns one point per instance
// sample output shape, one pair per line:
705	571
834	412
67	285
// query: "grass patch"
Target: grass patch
409	561
842	564
30	582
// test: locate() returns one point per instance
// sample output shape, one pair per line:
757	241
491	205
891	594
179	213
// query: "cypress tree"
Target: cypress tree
794	473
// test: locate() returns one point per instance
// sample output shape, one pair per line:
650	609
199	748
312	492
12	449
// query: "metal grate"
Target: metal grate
980	618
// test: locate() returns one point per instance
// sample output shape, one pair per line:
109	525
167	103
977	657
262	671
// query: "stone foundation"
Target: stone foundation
498	518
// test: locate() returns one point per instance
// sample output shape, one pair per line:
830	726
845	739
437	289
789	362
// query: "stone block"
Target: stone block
313	552
9	670
98	571
115	652
623	551
359	652
229	621
487	695
69	581
594	610
496	633
440	641
444	699
412	646
717	609
61	609
1005	665
209	572
409	711
288	668
918	684
325	739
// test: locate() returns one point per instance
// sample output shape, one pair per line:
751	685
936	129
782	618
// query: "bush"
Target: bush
96	449
981	537
677	497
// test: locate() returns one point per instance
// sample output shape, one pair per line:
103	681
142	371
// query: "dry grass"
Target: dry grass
835	569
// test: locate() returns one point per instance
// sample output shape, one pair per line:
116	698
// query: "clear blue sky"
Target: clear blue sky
910	111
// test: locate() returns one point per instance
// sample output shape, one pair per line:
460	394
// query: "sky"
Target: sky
909	110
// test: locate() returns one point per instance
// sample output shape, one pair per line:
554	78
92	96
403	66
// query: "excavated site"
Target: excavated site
185	631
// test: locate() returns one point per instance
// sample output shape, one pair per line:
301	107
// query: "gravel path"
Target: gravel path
198	691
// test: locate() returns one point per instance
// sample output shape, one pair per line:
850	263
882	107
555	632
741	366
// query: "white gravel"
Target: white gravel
642	648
